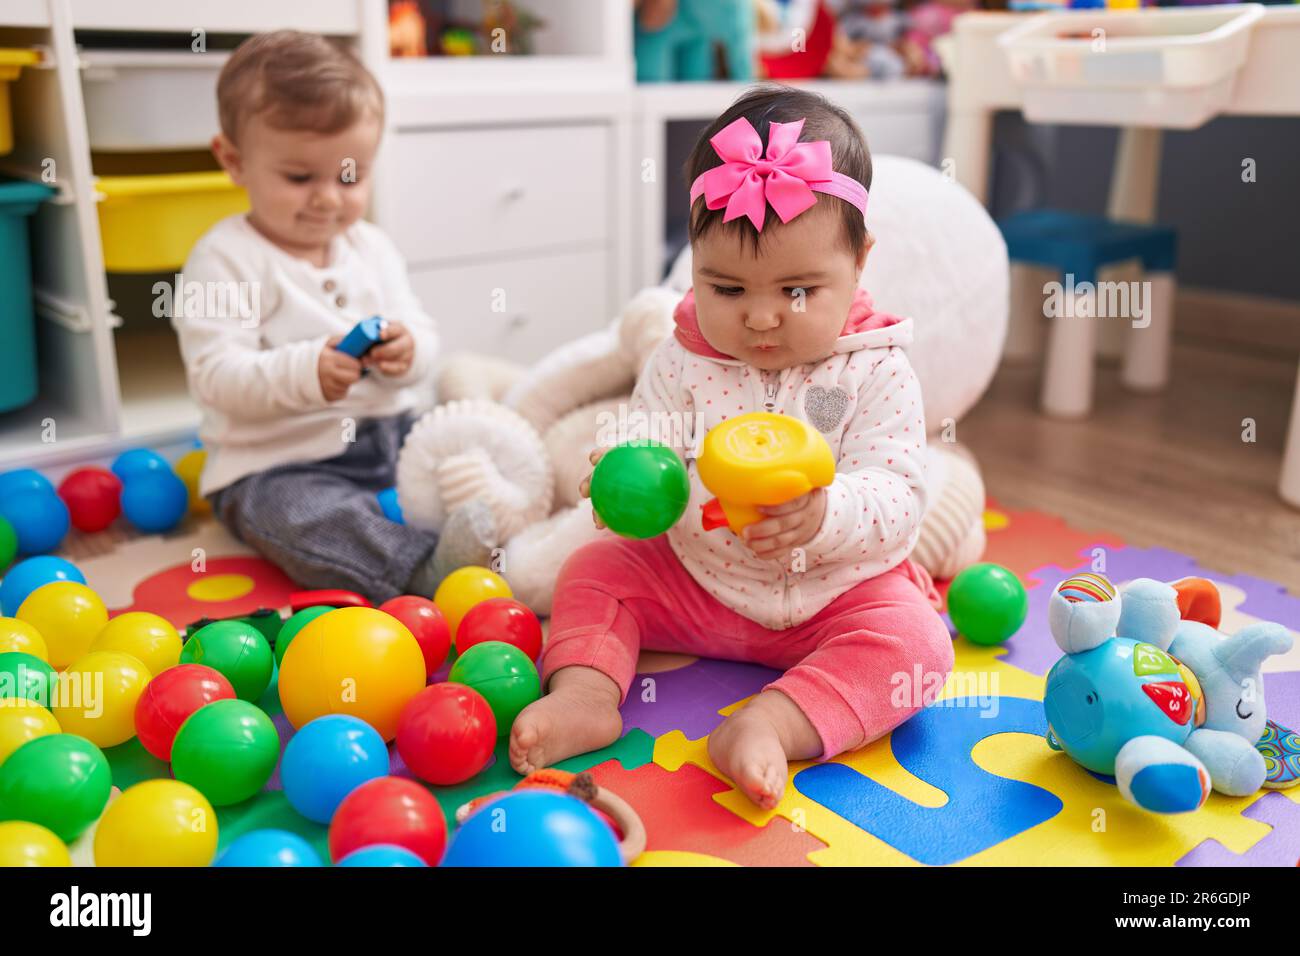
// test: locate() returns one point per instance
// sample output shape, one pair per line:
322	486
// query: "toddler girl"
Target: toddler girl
822	588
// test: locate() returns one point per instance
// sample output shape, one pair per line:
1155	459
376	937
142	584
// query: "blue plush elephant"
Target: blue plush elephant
1170	706
684	49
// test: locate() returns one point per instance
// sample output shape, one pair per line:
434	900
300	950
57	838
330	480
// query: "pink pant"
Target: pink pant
859	668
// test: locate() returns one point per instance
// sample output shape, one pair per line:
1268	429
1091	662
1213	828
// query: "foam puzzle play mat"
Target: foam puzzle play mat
1134	758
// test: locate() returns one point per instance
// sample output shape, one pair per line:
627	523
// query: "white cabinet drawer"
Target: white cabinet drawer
517	309
470	192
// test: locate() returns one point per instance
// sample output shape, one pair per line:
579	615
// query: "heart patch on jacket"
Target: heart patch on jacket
825	407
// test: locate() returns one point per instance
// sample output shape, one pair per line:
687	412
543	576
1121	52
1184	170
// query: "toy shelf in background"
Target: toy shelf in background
743	40
422	28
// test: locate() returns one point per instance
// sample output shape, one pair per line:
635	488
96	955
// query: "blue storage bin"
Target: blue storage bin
18	384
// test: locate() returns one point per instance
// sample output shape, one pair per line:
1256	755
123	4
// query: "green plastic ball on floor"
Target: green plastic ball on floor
987	603
26	675
8	544
226	750
640	489
505	677
238	650
60	781
292	626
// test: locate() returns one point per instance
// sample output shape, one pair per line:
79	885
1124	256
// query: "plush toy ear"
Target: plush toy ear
1150	612
1198	600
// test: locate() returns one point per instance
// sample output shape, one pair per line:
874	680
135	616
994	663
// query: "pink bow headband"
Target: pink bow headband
748	182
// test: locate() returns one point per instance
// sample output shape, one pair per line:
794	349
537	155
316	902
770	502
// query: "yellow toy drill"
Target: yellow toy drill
760	459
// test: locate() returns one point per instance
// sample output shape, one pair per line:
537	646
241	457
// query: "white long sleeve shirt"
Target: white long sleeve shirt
865	400
252	320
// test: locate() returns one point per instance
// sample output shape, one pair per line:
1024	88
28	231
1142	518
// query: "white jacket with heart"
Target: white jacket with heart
865	399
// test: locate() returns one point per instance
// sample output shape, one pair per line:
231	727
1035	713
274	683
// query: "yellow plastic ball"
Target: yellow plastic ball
147	637
29	844
189	468
22	720
354	660
16	635
465	587
157	823
68	615
97	697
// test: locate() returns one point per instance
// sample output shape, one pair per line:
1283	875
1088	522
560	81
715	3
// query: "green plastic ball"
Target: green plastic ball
987	603
8	544
505	677
226	750
60	781
25	675
238	650
640	489
292	626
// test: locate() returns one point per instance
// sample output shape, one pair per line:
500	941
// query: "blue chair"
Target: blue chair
1077	247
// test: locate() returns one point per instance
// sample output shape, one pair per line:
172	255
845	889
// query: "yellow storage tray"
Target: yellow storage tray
150	223
11	62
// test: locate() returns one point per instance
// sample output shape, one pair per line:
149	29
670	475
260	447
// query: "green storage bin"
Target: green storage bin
18	383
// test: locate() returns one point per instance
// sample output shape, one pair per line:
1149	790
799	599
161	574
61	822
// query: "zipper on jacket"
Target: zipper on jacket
769	392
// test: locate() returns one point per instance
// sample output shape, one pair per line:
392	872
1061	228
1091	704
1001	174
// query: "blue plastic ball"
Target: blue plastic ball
138	461
534	828
39	518
23	479
390	506
326	760
26	576
156	501
381	854
269	848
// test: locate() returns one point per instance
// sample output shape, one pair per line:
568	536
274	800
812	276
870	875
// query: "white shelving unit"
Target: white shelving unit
512	184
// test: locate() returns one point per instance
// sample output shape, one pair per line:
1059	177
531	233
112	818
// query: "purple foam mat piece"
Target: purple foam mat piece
1266	600
1279	847
689	698
1282	698
1032	648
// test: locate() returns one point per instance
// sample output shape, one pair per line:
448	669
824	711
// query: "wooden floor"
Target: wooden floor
1170	469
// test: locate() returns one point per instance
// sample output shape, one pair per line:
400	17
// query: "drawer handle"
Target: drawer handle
513	193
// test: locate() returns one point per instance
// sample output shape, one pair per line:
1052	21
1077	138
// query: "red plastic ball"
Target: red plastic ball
93	496
501	619
393	811
423	619
170	698
446	733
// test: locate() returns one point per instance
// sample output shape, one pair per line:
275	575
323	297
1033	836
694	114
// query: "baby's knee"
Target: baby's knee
934	652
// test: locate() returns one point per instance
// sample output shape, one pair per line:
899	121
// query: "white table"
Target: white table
981	84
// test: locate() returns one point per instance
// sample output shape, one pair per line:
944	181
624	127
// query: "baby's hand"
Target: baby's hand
395	351
337	370
786	526
584	487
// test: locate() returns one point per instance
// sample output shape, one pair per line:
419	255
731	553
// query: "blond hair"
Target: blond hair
299	81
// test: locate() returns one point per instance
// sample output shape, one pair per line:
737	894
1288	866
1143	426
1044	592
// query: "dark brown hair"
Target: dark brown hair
302	81
769	104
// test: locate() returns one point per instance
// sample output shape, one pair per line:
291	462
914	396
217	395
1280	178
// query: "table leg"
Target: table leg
1289	486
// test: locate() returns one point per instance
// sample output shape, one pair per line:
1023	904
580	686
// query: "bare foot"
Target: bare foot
753	746
578	714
